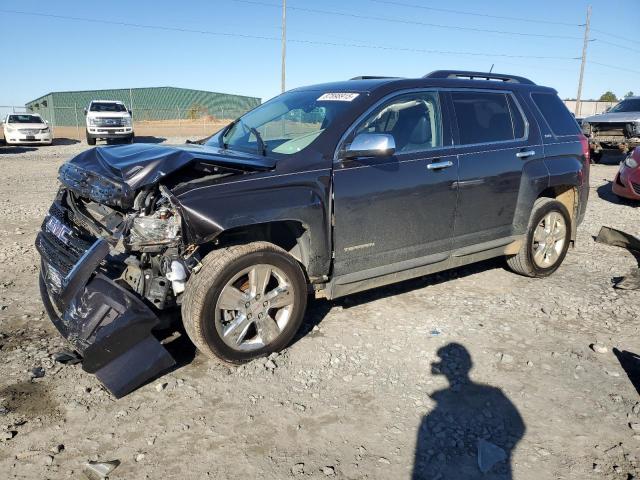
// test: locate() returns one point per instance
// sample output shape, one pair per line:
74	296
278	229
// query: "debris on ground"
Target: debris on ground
618	238
100	470
488	455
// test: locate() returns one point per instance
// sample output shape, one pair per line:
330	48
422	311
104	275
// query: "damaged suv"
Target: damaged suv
325	190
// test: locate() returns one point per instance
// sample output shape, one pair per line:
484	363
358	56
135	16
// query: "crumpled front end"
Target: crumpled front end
87	279
624	136
117	251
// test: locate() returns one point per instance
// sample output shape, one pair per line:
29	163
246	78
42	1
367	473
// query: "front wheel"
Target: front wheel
245	302
596	157
90	139
546	242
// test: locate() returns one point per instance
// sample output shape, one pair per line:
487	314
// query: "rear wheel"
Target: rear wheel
546	242
246	301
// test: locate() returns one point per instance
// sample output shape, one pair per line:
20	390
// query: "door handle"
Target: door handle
440	165
526	153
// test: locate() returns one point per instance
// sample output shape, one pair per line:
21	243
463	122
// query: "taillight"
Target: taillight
586	154
584	141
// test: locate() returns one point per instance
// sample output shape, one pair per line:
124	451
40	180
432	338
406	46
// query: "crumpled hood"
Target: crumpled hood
614	117
113	174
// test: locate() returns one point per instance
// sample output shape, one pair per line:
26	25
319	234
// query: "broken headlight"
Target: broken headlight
160	228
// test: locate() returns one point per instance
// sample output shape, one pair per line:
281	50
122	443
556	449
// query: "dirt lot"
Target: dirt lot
363	393
156	130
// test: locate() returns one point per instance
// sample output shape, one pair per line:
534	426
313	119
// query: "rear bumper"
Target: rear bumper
108	325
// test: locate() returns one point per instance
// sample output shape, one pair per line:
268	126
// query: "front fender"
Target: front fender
261	198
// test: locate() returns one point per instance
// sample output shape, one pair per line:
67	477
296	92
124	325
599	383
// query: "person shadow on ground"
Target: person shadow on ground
473	429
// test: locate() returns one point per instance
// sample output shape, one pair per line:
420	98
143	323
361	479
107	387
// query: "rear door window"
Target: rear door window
556	114
485	117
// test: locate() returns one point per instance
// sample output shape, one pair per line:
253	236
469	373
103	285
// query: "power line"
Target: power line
279	39
625	47
614	36
614	67
407	21
475	14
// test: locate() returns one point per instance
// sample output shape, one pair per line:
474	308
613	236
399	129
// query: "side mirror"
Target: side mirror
85	111
371	145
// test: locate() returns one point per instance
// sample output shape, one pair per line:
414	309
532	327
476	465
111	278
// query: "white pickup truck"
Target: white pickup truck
108	119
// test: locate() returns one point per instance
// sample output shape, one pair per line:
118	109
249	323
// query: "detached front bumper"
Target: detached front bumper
107	324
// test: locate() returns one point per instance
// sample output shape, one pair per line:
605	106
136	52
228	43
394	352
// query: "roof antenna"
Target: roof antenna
491	69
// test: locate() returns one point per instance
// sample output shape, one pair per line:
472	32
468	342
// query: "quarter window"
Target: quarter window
413	120
556	114
486	117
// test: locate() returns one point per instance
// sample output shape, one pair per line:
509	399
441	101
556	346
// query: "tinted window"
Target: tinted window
629	105
516	118
24	119
556	114
412	119
482	117
107	107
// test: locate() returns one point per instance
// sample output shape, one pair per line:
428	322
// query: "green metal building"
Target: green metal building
153	103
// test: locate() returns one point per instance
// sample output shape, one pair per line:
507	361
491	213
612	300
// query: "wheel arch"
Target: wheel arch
293	236
568	196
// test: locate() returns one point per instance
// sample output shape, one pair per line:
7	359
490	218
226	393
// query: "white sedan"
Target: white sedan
28	128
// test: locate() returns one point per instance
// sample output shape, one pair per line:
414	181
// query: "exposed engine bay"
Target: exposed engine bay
117	252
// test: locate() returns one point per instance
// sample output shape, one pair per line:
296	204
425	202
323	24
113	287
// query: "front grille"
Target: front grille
29	131
109	122
636	187
61	255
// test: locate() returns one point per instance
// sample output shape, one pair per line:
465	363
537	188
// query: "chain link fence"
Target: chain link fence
195	121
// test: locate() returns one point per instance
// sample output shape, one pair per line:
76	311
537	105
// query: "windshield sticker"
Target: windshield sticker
337	97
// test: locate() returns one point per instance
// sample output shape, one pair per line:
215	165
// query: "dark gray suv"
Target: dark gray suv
329	190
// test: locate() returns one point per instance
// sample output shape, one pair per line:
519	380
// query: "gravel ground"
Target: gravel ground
431	372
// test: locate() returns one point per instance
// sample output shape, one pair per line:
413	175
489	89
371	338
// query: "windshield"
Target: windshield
107	107
286	124
630	105
24	119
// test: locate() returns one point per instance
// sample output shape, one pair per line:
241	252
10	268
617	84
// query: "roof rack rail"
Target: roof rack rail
370	77
478	75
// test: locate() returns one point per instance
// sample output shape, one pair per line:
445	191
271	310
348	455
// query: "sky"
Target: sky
233	46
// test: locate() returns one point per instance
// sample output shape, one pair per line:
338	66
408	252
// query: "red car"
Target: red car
627	182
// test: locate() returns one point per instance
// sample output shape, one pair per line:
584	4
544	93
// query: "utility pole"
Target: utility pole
284	45
584	59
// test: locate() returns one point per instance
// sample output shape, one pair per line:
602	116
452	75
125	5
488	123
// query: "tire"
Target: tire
524	262
205	321
596	157
90	140
131	138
